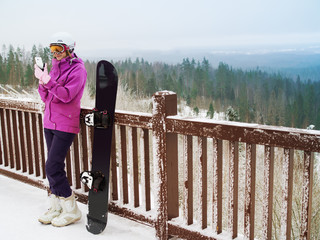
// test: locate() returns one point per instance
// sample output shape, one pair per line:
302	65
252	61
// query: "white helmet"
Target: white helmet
63	38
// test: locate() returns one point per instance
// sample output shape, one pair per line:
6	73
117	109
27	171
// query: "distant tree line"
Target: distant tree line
248	95
16	65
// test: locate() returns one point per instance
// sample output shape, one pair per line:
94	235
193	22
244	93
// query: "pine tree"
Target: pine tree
2	70
28	76
231	114
210	112
10	66
151	85
309	106
196	110
19	75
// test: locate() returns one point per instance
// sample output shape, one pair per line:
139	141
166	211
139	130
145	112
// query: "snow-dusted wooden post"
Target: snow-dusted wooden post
165	162
133	163
306	213
3	136
217	185
202	182
188	179
268	192
233	188
250	190
145	169
1	132
286	214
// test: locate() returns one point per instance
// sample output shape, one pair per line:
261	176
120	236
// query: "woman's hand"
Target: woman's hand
43	76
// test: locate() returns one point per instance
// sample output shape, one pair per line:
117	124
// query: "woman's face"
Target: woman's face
60	56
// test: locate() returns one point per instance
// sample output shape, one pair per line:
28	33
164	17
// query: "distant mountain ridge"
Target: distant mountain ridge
290	62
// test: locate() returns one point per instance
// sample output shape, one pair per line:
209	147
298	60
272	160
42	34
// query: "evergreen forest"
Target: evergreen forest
255	96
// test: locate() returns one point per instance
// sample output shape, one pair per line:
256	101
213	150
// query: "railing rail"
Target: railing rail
193	178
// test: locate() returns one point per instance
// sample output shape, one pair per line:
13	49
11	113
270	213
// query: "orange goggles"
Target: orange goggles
57	49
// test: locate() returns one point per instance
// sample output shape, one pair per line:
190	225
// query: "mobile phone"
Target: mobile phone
39	62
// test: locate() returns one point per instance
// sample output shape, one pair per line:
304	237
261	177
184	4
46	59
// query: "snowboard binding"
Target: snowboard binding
98	119
94	180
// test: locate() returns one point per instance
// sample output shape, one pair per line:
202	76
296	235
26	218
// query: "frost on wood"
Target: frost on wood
24	105
202	181
217	187
268	192
250	191
145	168
287	173
188	180
306	197
124	198
133	167
160	166
160	185
233	189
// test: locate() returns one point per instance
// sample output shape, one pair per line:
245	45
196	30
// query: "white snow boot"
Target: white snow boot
54	210
70	212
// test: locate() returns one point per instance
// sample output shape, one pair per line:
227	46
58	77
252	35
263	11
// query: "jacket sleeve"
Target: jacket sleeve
43	92
67	92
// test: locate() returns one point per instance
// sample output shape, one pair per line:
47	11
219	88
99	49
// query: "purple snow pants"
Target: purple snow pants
58	144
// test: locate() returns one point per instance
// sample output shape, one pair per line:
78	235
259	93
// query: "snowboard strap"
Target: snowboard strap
94	180
98	119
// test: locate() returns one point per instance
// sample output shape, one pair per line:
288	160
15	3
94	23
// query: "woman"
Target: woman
61	91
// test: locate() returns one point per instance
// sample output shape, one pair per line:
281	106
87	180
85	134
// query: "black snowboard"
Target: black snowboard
106	92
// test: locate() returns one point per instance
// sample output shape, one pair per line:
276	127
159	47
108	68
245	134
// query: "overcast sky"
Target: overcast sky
161	24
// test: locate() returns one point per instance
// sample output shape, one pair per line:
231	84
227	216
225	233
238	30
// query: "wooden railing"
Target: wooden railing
187	177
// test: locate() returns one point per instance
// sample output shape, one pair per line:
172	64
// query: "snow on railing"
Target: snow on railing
193	178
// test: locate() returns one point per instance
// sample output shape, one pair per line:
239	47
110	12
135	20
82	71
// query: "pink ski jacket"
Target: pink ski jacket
62	94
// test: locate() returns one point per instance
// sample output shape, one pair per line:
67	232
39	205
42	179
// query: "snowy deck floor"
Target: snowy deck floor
21	204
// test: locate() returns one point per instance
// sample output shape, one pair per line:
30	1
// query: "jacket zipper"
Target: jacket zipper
55	125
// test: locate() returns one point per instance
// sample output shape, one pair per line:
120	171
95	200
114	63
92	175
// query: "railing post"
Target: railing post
250	191
306	213
233	188
287	189
3	144
165	154
268	192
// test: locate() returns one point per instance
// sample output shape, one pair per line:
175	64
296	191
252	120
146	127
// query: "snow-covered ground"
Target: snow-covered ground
21	204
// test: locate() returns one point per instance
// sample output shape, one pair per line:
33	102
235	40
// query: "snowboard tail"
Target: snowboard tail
95	226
